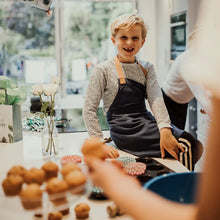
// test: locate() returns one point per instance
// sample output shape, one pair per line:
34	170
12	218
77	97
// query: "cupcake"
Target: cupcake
34	175
12	185
55	216
56	189
31	196
93	147
56	185
82	211
51	169
75	178
113	210
69	167
17	170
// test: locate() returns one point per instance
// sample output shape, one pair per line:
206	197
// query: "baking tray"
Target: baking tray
153	169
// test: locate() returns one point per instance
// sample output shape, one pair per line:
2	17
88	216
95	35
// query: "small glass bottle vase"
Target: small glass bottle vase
50	141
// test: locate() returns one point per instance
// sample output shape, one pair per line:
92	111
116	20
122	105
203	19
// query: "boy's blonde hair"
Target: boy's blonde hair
127	21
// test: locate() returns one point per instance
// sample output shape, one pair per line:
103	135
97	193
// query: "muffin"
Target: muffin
34	175
82	211
12	185
51	169
113	210
31	196
56	189
55	216
69	167
93	147
56	185
75	178
17	170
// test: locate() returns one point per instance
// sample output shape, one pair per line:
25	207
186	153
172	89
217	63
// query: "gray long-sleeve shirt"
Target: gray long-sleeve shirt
104	85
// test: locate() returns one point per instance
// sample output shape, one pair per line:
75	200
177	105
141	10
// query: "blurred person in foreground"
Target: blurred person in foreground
143	204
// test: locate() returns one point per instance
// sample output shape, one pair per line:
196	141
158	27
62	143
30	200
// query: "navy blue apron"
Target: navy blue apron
132	128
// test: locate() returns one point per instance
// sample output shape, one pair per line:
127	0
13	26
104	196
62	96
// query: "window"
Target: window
87	38
69	42
27	46
178	34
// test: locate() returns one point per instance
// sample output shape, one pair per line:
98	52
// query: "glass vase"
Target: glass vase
50	140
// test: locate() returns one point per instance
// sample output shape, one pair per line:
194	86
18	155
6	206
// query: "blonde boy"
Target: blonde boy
124	83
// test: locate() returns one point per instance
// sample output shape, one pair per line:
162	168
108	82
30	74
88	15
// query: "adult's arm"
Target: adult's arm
132	198
155	99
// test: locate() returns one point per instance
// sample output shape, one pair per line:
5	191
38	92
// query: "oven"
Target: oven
178	34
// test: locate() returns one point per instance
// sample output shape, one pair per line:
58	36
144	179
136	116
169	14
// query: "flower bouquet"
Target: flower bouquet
47	93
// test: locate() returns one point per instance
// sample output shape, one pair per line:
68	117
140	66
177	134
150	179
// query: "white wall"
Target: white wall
178	6
163	10
157	14
147	11
193	9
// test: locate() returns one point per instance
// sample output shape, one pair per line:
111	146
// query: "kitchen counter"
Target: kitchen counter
28	153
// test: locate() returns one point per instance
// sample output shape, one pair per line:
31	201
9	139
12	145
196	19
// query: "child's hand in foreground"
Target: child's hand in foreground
108	176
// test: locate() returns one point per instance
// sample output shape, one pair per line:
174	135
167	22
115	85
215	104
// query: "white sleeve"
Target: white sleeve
155	99
201	95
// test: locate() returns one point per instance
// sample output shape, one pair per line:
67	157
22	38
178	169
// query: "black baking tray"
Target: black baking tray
153	169
98	196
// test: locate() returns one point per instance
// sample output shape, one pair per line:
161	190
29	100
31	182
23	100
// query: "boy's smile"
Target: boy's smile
128	42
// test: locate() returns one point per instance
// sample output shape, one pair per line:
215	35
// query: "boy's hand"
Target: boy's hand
169	143
110	152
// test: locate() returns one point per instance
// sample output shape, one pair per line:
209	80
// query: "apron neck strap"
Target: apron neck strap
143	69
120	71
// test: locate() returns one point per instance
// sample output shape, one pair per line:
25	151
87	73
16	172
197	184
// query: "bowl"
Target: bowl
177	187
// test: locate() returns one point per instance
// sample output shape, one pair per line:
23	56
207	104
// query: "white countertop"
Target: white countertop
28	153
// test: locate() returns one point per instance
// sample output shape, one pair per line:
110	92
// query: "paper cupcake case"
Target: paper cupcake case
126	160
135	168
70	159
97	194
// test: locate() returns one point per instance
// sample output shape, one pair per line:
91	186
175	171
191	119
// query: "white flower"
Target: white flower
55	80
37	89
50	89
